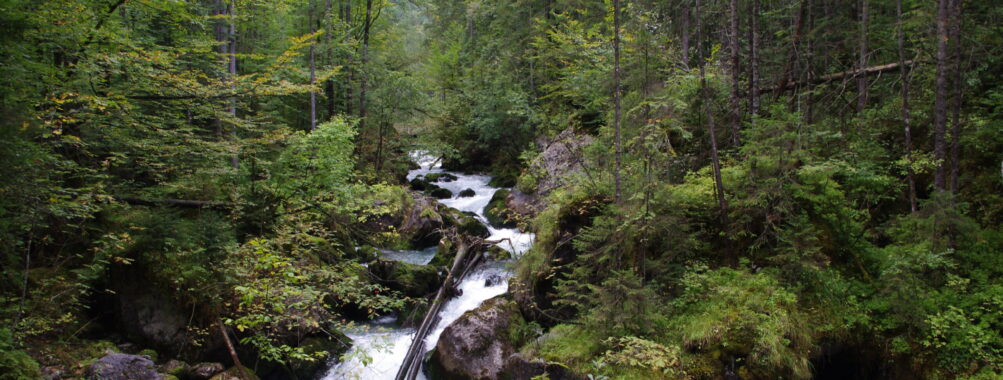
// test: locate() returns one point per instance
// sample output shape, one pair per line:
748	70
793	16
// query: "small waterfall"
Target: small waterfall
380	346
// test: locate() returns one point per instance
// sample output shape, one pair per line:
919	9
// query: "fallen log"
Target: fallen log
184	203
837	76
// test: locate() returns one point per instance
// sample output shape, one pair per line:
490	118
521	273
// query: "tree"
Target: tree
733	66
940	93
709	118
616	94
862	56
906	115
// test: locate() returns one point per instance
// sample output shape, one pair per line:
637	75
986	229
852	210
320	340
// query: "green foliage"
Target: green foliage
15	364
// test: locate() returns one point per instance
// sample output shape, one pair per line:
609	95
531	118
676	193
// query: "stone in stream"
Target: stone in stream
203	371
115	366
468	192
493	280
440	193
497	213
440	177
478	344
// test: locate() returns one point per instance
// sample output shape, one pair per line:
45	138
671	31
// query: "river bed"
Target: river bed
380	346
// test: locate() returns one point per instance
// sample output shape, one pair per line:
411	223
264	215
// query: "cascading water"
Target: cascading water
379	347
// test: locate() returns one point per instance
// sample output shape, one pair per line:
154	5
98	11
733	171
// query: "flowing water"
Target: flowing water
379	347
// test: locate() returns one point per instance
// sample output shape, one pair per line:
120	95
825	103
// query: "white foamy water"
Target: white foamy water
378	352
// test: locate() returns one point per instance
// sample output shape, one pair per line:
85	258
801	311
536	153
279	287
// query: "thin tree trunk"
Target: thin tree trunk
958	92
348	65
735	106
705	91
234	161
754	60
365	61
616	94
313	70
233	352
906	117
795	40
329	57
685	32
862	57
940	93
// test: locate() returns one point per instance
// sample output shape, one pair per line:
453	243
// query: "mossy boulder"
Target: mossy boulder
497	211
115	366
174	367
473	227
440	177
322	349
236	373
440	193
410	279
477	345
419	184
467	193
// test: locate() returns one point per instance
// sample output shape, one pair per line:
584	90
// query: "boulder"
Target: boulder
419	184
236	373
115	366
497	212
174	367
422	222
477	345
204	371
473	227
440	177
410	279
147	314
467	193
440	193
322	348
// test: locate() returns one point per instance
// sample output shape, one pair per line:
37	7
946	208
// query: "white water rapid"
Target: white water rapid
379	347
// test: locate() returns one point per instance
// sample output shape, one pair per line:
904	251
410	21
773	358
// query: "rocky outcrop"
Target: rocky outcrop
560	157
115	366
203	371
478	344
145	313
497	212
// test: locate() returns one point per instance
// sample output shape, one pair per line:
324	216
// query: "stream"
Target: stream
380	346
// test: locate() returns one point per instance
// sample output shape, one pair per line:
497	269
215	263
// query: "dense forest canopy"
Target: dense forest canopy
750	189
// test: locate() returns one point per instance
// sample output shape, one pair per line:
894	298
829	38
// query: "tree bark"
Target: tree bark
906	116
940	96
705	91
329	83
348	65
685	33
958	94
862	57
734	101
754	60
232	38
313	69
616	94
795	40
365	60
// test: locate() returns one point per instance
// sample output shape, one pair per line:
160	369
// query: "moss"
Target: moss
235	373
473	227
440	193
497	212
149	353
440	177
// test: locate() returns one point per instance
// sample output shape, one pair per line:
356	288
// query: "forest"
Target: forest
506	189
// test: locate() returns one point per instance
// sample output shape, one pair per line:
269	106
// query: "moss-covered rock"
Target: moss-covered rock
473	227
419	184
497	211
440	193
410	279
440	177
477	345
236	373
322	349
467	193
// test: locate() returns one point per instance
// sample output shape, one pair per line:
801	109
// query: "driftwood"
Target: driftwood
184	203
837	76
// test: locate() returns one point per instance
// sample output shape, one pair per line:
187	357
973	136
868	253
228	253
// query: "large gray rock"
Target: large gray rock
146	314
560	157
477	345
116	366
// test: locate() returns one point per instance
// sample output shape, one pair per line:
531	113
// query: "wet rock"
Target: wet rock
174	367
473	227
419	184
477	344
466	193
493	280
441	193
496	212
123	367
422	221
321	347
440	177
410	279
203	371
236	373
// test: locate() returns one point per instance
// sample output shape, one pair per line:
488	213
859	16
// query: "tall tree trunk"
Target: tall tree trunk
862	57
313	69
234	161
329	57
616	94
685	33
940	96
734	102
958	92
705	91
365	61
795	41
906	117
754	60
348	65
